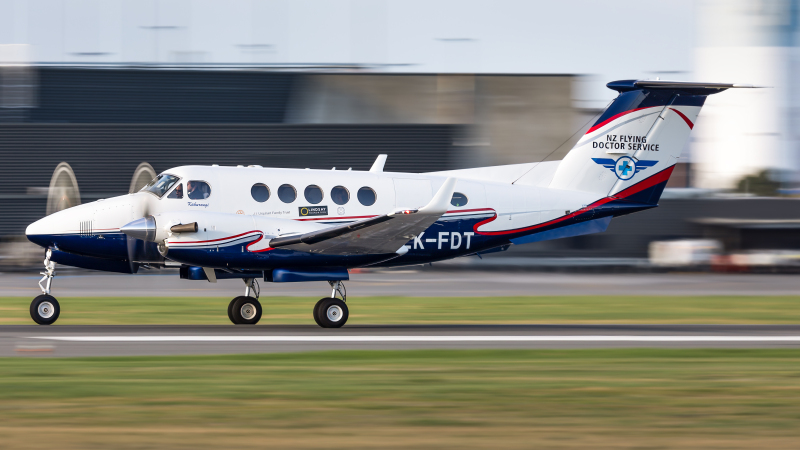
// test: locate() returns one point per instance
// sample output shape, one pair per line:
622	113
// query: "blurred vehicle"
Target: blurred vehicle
684	252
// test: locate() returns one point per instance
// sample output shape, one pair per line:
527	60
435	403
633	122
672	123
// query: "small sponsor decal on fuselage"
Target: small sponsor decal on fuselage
204	205
306	211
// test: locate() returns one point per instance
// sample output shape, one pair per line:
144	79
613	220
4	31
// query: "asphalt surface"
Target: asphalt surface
414	283
86	340
63	341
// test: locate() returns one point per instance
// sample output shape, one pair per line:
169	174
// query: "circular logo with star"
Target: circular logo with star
625	168
340	210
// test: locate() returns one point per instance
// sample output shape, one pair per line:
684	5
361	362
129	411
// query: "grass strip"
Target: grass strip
427	310
631	398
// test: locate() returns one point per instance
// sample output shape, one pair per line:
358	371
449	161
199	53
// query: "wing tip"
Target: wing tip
439	202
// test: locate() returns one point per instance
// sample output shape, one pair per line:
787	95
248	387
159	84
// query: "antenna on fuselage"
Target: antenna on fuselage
377	166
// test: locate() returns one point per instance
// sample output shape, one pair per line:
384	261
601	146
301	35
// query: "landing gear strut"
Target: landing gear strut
246	310
45	308
332	312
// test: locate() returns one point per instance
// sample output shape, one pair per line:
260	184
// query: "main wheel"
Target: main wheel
230	310
332	313
246	311
316	310
45	309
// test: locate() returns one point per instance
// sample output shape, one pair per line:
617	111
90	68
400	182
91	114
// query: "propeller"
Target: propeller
135	245
132	251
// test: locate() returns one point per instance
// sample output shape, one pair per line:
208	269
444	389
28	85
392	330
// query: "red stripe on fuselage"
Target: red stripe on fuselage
215	240
660	177
255	242
468	210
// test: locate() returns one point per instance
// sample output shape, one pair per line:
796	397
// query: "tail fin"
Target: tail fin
632	148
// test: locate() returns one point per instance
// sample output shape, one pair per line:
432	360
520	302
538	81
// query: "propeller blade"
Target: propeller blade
132	247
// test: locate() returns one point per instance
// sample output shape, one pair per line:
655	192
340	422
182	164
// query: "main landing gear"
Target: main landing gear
329	312
45	308
246	310
332	312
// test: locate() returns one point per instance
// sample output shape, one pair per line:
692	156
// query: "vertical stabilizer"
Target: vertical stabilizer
637	140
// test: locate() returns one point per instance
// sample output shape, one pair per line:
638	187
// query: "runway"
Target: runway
84	340
413	283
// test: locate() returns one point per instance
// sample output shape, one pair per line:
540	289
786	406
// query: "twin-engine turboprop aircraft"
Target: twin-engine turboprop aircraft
288	225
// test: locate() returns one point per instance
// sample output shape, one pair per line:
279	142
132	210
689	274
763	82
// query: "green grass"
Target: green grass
647	399
430	310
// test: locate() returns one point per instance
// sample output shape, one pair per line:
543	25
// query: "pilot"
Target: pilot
195	190
178	192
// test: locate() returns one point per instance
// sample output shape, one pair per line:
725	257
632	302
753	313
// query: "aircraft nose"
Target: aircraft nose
42	231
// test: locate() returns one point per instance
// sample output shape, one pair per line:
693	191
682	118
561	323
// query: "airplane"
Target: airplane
300	225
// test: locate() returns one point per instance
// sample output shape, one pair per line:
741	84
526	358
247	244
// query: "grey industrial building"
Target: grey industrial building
116	126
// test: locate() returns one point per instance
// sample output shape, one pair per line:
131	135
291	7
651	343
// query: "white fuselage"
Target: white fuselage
516	205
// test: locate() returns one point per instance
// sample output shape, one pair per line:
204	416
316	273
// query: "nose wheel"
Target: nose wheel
45	308
332	312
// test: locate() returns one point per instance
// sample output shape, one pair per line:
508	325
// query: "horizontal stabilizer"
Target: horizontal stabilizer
693	87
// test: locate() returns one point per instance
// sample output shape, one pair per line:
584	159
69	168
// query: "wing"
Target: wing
377	235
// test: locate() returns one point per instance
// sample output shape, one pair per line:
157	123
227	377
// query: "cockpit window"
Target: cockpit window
197	190
160	184
177	192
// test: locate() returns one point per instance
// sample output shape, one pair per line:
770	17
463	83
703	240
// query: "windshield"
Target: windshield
160	184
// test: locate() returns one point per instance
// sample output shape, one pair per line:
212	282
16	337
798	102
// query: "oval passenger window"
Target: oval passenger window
260	192
340	195
366	196
458	199
197	190
287	193
313	194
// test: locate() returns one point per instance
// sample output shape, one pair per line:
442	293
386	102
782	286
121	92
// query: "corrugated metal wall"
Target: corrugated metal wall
74	95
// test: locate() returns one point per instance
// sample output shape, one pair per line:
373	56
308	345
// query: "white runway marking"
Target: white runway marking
432	338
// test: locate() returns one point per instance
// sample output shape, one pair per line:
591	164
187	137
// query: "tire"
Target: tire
230	310
316	310
332	313
246	311
45	309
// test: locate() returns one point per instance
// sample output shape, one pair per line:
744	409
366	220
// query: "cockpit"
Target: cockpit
195	189
160	184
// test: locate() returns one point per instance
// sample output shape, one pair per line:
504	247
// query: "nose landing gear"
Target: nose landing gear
246	310
45	308
332	312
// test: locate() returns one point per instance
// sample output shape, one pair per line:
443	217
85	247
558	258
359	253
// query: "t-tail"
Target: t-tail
630	152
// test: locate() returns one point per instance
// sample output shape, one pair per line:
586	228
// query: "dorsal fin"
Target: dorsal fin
377	166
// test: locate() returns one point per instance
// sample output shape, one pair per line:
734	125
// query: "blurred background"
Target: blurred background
98	96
